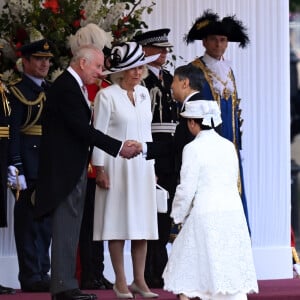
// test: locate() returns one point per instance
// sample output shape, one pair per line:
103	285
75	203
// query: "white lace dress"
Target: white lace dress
212	253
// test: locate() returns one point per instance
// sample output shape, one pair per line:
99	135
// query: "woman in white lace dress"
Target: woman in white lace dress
211	258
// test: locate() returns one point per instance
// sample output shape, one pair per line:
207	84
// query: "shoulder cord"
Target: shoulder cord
5	102
39	100
154	93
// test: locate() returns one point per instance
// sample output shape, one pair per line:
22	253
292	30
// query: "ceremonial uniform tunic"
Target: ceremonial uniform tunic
223	90
32	236
4	135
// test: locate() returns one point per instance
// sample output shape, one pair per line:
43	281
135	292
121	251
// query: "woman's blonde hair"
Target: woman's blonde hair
118	76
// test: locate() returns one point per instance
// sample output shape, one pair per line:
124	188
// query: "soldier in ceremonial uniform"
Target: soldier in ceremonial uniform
27	98
164	110
220	83
4	136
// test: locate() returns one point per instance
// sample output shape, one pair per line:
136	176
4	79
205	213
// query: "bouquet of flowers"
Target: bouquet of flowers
23	21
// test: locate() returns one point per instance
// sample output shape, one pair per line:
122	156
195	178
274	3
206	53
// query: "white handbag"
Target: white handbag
162	196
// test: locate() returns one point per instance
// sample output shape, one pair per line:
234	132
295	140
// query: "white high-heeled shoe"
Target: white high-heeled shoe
122	295
136	290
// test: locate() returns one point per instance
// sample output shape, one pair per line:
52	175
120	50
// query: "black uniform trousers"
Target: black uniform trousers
33	237
157	254
91	252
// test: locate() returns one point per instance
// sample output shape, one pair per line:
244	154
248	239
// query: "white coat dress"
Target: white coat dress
127	210
212	253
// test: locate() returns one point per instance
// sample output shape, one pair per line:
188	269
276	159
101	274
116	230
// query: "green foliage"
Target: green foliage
23	21
294	5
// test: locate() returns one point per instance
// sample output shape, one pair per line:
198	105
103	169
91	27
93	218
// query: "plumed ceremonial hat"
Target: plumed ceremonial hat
126	56
39	48
210	24
90	34
156	38
203	109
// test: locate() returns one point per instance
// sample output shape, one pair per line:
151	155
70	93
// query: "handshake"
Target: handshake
131	149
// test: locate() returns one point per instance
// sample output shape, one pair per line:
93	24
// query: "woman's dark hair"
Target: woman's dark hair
194	74
203	127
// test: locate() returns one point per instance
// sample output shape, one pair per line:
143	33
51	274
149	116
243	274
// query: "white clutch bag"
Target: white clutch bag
162	196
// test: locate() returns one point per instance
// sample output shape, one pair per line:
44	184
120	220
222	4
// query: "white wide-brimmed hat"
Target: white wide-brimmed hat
126	56
203	109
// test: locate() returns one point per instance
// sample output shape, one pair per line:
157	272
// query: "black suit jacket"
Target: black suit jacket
67	139
182	137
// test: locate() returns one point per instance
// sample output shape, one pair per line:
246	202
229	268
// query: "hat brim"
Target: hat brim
144	61
189	116
163	45
42	54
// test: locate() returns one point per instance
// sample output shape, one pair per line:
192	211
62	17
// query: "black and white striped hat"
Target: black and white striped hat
126	56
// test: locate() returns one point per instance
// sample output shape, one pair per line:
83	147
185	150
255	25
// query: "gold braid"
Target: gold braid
207	74
5	102
39	100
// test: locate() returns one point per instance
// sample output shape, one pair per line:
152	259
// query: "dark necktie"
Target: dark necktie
44	85
160	76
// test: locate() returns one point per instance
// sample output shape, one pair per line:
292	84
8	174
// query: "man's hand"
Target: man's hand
102	178
131	149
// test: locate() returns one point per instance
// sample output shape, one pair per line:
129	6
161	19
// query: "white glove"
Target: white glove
12	176
12	170
22	182
16	181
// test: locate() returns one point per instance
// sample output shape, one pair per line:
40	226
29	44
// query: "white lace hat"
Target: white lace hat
203	109
126	56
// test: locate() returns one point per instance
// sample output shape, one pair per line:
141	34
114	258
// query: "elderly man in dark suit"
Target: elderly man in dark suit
68	137
27	98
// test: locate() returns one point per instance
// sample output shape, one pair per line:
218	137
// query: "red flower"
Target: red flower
82	14
117	34
21	34
18	45
76	23
52	4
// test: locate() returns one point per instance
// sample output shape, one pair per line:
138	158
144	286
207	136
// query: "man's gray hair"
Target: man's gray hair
85	51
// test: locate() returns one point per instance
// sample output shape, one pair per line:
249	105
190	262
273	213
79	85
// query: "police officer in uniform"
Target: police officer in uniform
4	136
27	98
165	116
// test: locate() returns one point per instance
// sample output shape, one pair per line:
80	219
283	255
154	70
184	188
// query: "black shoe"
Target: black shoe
6	290
40	286
108	285
155	283
97	284
75	294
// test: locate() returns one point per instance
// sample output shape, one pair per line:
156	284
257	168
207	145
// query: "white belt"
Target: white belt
163	127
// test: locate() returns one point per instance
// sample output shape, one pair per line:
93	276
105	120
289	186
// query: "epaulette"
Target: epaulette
15	81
